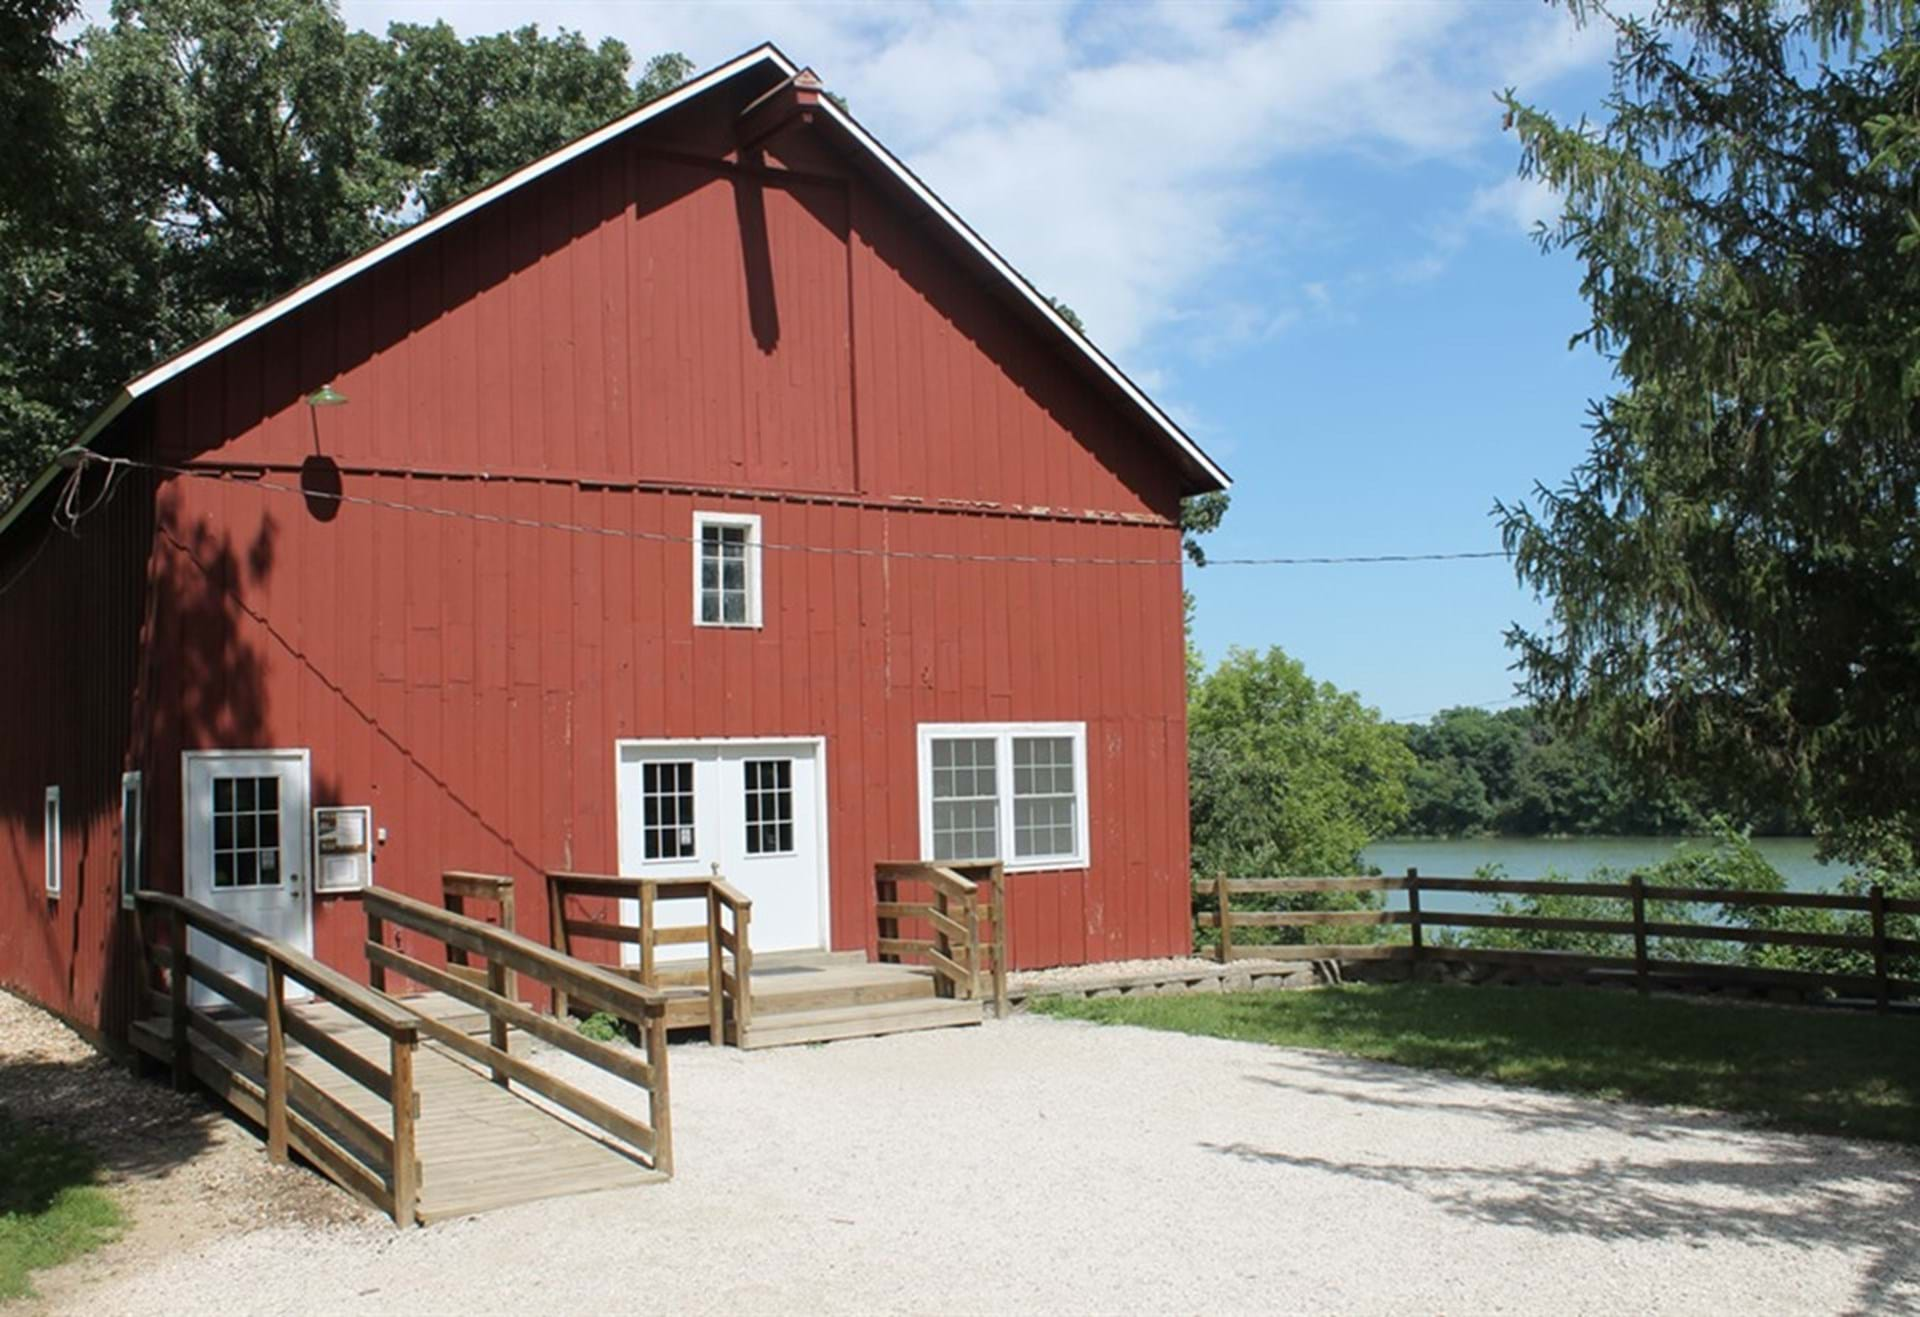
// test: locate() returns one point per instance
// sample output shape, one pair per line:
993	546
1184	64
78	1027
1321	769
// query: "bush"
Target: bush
603	1028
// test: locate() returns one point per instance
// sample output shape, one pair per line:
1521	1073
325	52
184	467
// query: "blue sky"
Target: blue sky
1297	225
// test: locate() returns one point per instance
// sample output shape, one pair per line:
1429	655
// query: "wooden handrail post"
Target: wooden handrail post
276	1060
177	992
659	1104
406	1165
649	934
973	950
1638	895
1413	913
1225	902
497	983
716	1003
509	982
376	936
742	974
557	937
999	879
1877	912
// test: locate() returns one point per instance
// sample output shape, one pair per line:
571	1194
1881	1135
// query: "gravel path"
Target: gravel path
1043	1165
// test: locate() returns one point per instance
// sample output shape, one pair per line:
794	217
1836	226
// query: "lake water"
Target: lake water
1573	857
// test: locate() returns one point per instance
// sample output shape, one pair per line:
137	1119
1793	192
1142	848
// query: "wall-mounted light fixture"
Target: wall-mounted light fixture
326	396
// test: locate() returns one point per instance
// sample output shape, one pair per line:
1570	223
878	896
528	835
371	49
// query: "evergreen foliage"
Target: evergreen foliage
1732	571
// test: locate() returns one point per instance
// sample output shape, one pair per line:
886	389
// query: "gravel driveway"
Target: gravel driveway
1041	1165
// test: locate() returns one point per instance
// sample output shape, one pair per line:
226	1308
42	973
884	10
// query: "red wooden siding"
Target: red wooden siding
622	342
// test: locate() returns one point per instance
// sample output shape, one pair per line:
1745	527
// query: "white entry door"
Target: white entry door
757	810
246	827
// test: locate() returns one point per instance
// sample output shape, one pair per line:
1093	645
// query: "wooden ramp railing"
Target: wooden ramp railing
725	1001
457	887
379	1165
1636	934
942	928
508	952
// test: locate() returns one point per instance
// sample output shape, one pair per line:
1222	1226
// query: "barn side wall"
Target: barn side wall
635	336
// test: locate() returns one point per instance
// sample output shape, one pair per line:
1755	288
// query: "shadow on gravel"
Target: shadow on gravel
1862	1199
132	1127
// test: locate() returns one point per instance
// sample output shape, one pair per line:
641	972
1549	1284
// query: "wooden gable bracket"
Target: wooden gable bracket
790	102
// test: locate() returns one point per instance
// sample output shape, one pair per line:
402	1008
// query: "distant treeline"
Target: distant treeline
1508	772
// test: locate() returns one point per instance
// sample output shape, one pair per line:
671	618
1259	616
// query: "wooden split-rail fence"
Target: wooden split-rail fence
1646	964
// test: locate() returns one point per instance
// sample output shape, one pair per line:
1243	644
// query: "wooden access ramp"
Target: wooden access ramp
393	1097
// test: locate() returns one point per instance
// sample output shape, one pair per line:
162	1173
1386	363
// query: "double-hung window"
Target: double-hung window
1015	792
726	569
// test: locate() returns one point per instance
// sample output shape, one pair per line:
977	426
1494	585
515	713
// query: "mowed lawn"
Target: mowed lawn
1822	1071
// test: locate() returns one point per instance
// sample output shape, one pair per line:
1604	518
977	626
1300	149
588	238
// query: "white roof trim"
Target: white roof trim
339	274
1013	277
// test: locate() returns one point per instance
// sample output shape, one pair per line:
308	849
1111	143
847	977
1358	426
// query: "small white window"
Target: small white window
726	569
133	835
1015	792
50	841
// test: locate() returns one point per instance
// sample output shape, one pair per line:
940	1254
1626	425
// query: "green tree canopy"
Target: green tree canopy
189	160
1289	775
1734	570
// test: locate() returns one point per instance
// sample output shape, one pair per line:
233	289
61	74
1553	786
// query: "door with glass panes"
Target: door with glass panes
246	855
754	809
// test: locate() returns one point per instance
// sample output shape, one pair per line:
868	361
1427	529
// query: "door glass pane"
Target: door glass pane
246	831
768	784
666	796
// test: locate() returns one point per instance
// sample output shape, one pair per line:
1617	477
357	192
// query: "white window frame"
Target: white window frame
1004	734
50	842
751	523
133	835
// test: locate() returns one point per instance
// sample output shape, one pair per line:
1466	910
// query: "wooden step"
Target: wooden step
862	1021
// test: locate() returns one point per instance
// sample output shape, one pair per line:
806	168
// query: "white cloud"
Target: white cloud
1523	203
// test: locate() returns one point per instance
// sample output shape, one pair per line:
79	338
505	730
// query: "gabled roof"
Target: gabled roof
1190	453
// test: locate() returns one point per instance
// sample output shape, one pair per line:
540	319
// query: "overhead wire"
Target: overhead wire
118	464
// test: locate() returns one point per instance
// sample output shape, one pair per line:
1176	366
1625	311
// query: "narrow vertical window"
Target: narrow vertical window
726	570
50	841
133	835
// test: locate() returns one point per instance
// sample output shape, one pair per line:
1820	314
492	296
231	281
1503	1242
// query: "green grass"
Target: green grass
1819	1071
50	1207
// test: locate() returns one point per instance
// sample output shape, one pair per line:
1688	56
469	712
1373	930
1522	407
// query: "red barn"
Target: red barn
705	493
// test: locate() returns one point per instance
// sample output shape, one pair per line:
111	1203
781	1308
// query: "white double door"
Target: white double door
754	811
246	855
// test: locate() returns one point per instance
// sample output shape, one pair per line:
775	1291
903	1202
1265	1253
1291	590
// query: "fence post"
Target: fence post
649	931
999	940
1413	913
1877	909
177	987
406	1166
276	1061
1224	901
1637	886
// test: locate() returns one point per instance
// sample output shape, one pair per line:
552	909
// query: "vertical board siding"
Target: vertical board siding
587	354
